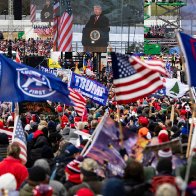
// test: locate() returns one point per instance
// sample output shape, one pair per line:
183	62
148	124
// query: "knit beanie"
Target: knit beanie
74	172
163	137
143	121
84	192
44	164
144	132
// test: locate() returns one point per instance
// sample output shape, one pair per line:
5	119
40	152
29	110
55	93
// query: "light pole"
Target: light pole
122	4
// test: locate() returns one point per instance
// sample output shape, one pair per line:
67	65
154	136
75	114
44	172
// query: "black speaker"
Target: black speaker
68	55
17	9
35	61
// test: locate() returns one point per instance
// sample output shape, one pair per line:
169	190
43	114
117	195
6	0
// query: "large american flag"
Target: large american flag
19	138
78	100
63	24
135	79
33	11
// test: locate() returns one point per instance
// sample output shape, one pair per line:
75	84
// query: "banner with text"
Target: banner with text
89	88
48	70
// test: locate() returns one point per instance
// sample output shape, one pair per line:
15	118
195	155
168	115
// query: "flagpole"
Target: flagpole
57	29
16	115
119	123
120	126
191	132
172	115
188	168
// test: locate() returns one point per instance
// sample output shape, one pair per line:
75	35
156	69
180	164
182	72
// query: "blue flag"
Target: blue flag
90	88
19	82
188	46
105	147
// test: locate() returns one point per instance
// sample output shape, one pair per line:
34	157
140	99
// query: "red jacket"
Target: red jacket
15	167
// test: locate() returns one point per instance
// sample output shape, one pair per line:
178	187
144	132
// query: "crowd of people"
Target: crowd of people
28	47
56	166
156	31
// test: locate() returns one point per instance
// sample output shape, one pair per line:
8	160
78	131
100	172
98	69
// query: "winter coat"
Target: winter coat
27	190
15	167
35	151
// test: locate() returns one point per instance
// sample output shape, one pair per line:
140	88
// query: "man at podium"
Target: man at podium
95	35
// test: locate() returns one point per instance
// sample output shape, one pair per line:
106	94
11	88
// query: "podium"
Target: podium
95	40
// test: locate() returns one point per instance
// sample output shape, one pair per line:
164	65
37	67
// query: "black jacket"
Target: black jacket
101	25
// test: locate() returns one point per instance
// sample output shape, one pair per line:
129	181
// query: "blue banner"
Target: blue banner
90	88
19	82
188	46
48	70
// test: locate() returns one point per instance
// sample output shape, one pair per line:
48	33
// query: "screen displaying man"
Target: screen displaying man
95	36
47	12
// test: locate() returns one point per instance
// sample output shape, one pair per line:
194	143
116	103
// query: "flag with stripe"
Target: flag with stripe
33	11
63	24
19	138
135	79
18	57
56	14
78	100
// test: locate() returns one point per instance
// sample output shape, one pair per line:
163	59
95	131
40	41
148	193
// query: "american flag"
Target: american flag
19	138
18	57
78	100
63	24
33	11
135	79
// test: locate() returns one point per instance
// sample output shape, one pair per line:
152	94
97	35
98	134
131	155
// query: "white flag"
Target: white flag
175	88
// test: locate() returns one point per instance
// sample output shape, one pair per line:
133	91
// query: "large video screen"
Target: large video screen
98	22
119	12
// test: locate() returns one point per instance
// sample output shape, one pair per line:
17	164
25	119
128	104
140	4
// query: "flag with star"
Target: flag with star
19	138
135	79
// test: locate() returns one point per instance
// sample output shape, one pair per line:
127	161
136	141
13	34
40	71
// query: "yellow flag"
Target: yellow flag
53	64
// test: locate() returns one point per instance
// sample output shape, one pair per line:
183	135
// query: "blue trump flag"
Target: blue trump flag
188	46
89	88
19	82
